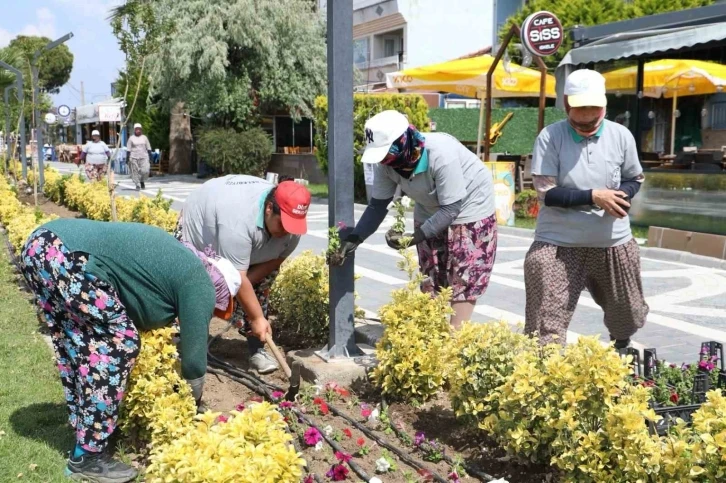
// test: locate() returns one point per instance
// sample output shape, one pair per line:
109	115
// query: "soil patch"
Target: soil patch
45	205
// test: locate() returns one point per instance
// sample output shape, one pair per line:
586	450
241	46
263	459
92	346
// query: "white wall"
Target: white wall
440	30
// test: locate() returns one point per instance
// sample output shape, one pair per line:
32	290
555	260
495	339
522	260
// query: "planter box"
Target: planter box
701	385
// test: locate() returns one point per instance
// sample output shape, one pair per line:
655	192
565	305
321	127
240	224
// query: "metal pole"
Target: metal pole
341	343
512	31
542	92
38	121
638	103
20	95
7	129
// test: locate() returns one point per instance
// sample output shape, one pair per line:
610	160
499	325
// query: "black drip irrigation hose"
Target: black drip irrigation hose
403	436
261	390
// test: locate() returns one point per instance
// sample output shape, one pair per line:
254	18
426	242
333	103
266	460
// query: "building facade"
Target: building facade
390	35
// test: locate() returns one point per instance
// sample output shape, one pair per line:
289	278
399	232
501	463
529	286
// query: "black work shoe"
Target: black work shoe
622	344
99	468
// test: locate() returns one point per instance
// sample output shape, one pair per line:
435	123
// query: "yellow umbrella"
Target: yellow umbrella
670	78
468	77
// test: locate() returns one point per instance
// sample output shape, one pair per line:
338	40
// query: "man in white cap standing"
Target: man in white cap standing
95	154
586	171
139	153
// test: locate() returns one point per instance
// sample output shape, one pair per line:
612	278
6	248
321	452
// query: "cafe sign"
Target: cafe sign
542	33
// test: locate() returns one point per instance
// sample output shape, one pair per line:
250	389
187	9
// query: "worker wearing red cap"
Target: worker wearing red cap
256	225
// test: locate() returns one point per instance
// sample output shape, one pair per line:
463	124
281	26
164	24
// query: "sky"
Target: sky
97	58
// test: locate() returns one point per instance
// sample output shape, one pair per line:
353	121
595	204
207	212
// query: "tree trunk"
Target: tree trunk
180	141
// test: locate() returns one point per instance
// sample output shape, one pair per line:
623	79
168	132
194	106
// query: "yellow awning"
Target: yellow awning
468	77
670	76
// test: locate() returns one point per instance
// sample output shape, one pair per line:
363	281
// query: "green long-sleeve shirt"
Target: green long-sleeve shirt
157	279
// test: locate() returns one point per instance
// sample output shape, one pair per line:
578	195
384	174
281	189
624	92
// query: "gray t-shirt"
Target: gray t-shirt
96	153
446	173
228	214
598	162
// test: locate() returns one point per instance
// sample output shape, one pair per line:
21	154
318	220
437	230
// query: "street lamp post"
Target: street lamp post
36	92
341	341
20	96
7	128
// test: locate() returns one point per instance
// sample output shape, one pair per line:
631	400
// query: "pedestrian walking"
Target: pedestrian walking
455	223
256	226
97	284
139	154
585	171
95	154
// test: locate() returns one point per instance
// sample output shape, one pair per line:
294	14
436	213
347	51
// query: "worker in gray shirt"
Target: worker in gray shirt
585	171
455	223
256	226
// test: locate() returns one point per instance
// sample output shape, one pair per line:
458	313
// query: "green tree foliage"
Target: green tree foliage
232	152
364	107
588	13
235	60
7	78
54	66
153	116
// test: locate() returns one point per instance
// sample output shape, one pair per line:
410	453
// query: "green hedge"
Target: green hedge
366	106
517	137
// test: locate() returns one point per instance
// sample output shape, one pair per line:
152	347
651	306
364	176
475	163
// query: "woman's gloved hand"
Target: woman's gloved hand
394	239
347	247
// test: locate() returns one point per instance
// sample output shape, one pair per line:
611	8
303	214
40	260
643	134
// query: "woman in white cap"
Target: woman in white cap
97	285
138	156
96	155
455	221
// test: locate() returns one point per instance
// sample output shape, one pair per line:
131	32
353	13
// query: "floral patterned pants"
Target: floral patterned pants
95	343
462	257
95	172
262	291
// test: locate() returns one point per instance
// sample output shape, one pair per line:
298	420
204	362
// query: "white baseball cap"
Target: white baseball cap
585	88
95	133
381	131
137	126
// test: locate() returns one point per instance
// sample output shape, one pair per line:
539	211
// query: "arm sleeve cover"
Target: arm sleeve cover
567	197
372	218
442	219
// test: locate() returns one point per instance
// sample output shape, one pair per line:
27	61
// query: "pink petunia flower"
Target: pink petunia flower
240	407
342	457
312	436
277	395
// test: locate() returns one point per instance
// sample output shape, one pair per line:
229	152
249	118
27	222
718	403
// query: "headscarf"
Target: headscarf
405	152
221	290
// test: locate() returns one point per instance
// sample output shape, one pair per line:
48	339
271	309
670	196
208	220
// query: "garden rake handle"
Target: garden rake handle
280	358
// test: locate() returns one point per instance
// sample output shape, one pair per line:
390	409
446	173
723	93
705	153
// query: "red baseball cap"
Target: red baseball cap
294	201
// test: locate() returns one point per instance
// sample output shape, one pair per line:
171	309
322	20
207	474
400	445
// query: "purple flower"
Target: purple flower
419	438
312	437
277	395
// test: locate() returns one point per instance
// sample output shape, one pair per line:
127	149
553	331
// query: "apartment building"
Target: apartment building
391	35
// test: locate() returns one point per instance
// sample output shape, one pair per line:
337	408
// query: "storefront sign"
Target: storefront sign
503	176
542	33
109	113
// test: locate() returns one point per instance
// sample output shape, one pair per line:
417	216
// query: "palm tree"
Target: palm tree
9	56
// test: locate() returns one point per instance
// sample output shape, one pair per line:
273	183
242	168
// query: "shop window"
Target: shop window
718	115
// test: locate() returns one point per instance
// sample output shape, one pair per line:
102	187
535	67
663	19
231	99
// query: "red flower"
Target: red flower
309	479
361	442
318	400
343	392
342	457
674	397
240	407
324	408
348	433
366	412
222	418
340	473
426	475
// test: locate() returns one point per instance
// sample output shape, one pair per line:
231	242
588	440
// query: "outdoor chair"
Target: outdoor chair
524	173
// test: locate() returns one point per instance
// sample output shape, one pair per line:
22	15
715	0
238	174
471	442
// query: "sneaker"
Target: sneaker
263	362
138	188
622	344
143	186
99	468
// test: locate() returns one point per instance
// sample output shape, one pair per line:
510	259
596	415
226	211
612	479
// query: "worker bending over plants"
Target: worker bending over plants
455	222
97	284
256	226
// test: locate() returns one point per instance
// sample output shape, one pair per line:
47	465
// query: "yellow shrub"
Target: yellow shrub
481	358
416	332
158	405
300	299
22	225
709	426
251	447
552	391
